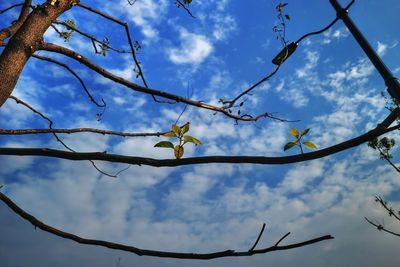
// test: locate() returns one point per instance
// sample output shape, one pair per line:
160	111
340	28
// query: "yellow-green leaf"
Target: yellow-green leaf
294	132
169	134
191	139
185	128
304	132
289	146
176	129
310	145
178	151
165	144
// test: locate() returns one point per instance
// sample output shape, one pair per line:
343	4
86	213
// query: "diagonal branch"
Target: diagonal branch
145	252
19	101
103	156
388	209
380	227
180	4
136	87
65	66
128	35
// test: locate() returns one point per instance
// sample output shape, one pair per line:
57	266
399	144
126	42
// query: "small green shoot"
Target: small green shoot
298	142
180	134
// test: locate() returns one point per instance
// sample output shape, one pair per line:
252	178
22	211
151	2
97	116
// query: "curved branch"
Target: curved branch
65	66
128	35
381	227
136	87
145	252
103	156
19	101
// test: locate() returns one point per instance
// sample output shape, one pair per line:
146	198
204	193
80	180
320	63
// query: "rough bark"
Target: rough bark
25	42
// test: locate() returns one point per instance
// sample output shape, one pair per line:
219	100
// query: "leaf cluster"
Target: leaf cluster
180	134
70	25
297	141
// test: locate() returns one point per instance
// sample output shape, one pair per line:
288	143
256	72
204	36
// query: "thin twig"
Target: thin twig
65	66
19	101
11	7
91	37
180	4
258	238
381	227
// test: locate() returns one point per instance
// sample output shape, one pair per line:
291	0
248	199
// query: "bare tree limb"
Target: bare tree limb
390	210
75	130
144	252
258	238
102	156
19	101
136	87
65	66
380	227
91	37
180	4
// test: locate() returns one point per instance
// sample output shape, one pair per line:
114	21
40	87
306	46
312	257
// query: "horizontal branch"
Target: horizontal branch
153	92
103	156
145	252
75	130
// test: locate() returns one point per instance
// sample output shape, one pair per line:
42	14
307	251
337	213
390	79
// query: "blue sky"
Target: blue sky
328	84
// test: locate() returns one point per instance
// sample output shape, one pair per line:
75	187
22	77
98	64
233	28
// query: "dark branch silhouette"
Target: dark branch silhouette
145	252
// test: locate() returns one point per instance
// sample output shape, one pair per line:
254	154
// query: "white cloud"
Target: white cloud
144	13
194	48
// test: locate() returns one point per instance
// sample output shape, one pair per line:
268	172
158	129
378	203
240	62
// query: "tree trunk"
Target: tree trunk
25	42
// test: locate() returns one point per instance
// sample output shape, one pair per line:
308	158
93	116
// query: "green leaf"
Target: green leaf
178	151
191	139
310	145
289	146
185	128
304	132
169	134
166	144
176	129
287	17
294	132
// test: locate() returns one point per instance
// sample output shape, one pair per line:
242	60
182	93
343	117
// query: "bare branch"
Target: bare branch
102	156
180	4
55	135
387	208
144	252
65	66
75	130
258	238
91	37
136	87
128	35
381	227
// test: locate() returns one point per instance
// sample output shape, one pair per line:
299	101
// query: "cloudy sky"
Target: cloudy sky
327	84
